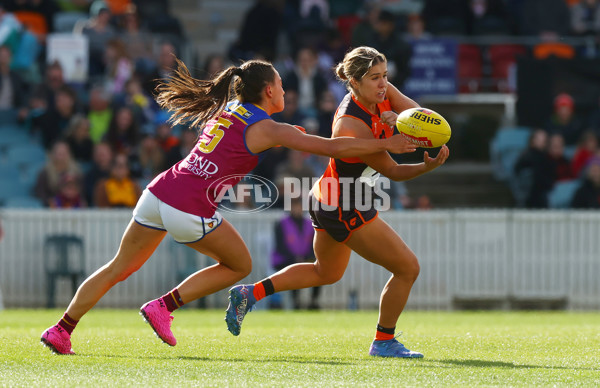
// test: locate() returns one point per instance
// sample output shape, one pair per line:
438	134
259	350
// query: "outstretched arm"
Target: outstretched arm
267	133
384	164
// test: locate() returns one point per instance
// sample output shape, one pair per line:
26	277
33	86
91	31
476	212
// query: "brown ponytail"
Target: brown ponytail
195	101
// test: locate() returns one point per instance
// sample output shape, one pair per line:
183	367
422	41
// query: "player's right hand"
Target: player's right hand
398	144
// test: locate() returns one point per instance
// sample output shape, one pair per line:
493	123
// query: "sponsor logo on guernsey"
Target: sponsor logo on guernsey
200	166
242	111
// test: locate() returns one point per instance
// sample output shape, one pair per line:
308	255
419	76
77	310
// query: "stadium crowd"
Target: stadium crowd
106	137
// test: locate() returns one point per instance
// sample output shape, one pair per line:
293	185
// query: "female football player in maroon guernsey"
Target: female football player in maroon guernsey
182	199
367	112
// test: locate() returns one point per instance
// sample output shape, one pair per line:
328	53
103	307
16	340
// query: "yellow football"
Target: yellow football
424	127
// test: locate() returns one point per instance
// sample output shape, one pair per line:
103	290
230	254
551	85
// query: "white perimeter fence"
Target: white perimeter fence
482	259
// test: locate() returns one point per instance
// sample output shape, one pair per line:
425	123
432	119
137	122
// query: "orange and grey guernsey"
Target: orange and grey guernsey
328	189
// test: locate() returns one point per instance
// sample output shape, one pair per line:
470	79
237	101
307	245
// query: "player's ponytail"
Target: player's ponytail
195	101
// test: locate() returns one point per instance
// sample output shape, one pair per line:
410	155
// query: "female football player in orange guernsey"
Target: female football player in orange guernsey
182	199
368	111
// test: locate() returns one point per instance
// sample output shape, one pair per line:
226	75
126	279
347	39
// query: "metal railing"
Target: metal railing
474	258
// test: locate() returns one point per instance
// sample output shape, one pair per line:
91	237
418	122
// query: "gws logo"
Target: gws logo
252	194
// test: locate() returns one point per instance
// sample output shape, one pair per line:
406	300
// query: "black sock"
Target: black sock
268	285
386	330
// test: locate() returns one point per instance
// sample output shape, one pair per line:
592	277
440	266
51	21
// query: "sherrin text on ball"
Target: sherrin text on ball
424	127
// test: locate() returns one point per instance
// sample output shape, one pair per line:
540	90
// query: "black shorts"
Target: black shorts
338	223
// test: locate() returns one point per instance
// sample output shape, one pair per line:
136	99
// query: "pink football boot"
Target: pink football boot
58	340
156	314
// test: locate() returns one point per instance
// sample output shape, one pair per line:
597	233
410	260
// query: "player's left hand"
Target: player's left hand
432	163
389	117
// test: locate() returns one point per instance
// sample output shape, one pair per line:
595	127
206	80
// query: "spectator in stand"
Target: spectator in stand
563	119
42	11
53	123
296	166
53	81
118	67
306	22
137	39
547	20
147	162
387	40
536	161
487	17
586	149
69	194
187	141
143	105
290	114
446	17
123	133
163	67
118	190
13	90
79	140
588	194
556	151
99	32
585	17
293	244
60	163
10	28
100	113
593	121
415	29
100	169
306	80
424	203
327	108
164	133
214	64
544	18
259	32
364	30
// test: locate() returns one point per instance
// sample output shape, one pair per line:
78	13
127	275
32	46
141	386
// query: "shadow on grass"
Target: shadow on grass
290	359
500	364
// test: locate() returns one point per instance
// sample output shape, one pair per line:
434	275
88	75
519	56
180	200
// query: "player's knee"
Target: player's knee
408	270
330	278
411	270
243	268
117	275
246	270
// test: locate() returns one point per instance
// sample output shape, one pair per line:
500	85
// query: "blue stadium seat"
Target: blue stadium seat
8	117
27	202
505	148
11	188
26	153
30	171
12	136
9	172
562	194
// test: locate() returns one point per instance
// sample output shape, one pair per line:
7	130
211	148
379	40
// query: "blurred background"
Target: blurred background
505	223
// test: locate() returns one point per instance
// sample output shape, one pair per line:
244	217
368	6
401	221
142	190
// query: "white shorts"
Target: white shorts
184	227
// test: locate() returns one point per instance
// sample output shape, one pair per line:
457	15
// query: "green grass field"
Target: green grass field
310	349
